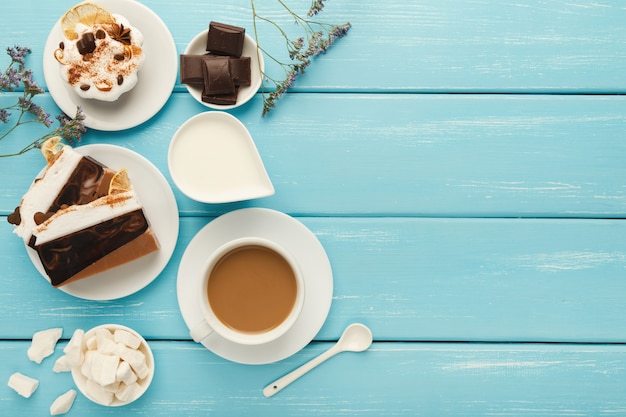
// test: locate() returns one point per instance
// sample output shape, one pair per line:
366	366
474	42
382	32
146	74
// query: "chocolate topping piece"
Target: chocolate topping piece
81	187
221	99
15	218
217	78
86	44
191	71
225	39
240	71
40	217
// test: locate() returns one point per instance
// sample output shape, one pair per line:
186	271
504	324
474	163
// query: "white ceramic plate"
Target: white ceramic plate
213	159
289	233
81	381
197	46
156	78
160	209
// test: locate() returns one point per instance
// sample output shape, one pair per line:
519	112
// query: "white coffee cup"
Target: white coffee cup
251	292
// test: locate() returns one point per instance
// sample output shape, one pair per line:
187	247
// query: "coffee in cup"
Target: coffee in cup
251	292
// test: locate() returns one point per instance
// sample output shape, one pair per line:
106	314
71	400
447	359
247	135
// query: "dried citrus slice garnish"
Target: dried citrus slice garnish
120	183
89	14
51	148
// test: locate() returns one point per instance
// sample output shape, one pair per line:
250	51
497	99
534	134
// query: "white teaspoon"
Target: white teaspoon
356	338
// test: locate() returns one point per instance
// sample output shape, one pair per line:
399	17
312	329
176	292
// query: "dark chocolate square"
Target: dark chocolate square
221	99
217	79
225	39
240	70
191	69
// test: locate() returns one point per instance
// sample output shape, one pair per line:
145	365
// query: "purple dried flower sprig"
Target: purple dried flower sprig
318	37
316	7
26	111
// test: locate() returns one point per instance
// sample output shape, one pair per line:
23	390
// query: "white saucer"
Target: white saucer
289	233
160	209
156	78
197	46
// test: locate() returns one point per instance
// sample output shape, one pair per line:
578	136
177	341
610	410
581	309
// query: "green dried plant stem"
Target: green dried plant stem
318	36
27	148
18	123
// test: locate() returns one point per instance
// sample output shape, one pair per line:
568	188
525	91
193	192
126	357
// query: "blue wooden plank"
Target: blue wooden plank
407	155
410	279
410	379
425	46
447	217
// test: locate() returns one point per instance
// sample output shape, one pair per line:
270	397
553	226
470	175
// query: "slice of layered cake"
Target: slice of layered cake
81	217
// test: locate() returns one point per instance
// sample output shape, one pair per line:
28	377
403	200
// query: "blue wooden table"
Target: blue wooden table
463	164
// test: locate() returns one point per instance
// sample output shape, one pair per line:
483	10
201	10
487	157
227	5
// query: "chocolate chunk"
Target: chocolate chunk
217	78
191	71
86	44
240	70
15	217
221	99
40	217
225	39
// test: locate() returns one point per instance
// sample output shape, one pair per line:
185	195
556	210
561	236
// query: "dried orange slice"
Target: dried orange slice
89	14
120	183
51	148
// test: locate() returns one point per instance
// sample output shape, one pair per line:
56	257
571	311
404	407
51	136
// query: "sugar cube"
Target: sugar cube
22	384
73	350
85	367
43	344
98	392
103	368
63	403
103	334
127	392
125	374
127	338
90	343
62	365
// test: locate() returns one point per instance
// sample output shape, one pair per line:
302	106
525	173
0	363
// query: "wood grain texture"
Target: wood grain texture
415	46
462	163
408	155
390	379
503	280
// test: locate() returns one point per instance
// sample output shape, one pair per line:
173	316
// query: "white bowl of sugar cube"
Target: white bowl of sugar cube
111	364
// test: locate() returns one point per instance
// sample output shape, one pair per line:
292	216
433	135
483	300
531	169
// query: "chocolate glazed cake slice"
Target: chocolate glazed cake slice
83	240
81	218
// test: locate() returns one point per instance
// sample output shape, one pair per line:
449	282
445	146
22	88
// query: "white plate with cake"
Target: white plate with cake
285	231
131	30
100	222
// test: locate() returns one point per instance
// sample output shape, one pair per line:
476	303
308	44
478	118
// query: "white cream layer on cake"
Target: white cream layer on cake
45	189
79	217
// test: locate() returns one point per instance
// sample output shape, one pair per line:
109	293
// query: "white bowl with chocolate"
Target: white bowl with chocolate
221	67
